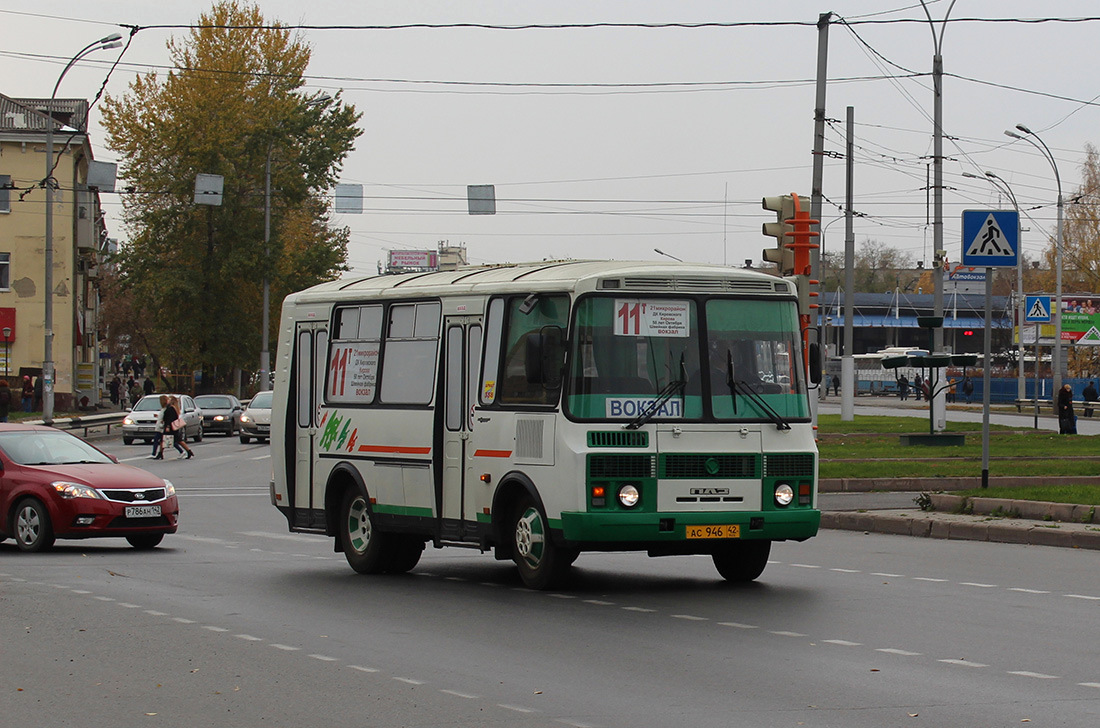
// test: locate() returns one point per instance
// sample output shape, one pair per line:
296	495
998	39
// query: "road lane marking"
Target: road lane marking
1027	591
690	617
784	633
516	708
738	625
847	571
1037	675
285	648
408	680
896	651
457	694
843	643
599	602
215	629
360	668
805	566
248	638
127	605
641	610
1090	685
323	658
963	663
977	584
888	576
928	578
181	620
1083	596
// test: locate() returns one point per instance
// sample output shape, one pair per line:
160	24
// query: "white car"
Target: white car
256	419
141	423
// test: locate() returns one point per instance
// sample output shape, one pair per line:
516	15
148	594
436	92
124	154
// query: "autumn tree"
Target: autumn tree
232	105
878	268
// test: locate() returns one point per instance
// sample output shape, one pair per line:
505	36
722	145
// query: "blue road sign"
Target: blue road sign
1037	309
990	238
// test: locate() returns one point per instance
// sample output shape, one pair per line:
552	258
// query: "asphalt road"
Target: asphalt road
235	621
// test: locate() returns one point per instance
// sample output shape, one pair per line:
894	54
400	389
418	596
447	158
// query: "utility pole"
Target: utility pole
818	169
848	363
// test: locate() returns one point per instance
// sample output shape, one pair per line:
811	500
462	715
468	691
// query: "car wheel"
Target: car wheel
145	541
404	554
365	547
742	561
540	562
33	530
127	440
198	435
244	439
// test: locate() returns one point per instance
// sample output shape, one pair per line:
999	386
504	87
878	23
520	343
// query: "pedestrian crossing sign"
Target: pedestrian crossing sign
991	238
1037	309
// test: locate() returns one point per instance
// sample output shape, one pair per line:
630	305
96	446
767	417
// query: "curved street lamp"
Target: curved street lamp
111	41
1057	363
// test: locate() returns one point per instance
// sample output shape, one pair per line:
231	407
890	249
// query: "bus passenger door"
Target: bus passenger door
310	349
461	357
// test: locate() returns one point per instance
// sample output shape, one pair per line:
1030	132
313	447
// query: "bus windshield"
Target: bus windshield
641	359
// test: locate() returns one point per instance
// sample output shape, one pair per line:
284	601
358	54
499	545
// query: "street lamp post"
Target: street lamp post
111	41
1003	186
1057	362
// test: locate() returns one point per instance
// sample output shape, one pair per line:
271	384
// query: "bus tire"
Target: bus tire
541	563
743	560
364	545
404	553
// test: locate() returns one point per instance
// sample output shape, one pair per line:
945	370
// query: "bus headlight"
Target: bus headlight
784	494
629	495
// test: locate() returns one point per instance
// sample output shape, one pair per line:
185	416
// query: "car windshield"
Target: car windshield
211	402
148	404
262	400
35	447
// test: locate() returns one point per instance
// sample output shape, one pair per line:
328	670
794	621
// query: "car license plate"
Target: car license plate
142	511
724	531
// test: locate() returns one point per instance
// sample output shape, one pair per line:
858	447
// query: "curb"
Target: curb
966	528
916	485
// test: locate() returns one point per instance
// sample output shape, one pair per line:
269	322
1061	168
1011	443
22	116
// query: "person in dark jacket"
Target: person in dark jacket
28	394
1090	395
1067	421
5	400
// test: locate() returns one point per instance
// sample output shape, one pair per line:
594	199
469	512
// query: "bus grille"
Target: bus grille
622	466
618	439
789	465
709	466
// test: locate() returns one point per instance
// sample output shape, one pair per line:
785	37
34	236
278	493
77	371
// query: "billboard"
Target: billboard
428	259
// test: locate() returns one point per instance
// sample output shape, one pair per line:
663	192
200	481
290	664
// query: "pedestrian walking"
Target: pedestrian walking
38	394
27	394
917	386
149	387
836	386
1067	421
903	387
5	400
136	393
951	391
175	428
1090	395
115	387
158	437
968	388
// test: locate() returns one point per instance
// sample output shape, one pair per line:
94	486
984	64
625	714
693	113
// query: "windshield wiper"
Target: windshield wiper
761	404
651	409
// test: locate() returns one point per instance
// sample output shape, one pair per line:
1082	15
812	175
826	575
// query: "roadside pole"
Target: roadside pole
987	353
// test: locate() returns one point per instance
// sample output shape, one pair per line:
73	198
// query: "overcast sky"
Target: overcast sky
591	159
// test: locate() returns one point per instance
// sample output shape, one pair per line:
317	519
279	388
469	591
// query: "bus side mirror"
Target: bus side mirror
544	356
815	363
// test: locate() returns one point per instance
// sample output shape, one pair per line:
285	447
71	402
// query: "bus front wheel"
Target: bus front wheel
742	561
540	562
364	545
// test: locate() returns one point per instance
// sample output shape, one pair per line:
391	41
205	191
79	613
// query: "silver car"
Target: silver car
256	419
141	423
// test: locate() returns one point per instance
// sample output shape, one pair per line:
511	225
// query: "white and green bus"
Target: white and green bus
540	410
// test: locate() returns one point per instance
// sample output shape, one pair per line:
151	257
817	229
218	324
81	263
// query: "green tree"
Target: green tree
233	104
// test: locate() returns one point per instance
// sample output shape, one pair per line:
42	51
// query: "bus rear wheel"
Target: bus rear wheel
404	553
364	545
742	561
541	563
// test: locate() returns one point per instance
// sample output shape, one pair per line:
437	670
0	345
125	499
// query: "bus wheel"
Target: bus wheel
541	564
404	554
364	546
743	560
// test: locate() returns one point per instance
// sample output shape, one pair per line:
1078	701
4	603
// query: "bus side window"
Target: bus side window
527	317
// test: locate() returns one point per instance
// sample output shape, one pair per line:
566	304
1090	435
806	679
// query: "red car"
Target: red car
55	485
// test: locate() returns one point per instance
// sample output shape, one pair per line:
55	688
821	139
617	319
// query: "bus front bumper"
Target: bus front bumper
648	528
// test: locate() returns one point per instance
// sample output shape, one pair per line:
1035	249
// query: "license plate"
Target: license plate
142	511
724	531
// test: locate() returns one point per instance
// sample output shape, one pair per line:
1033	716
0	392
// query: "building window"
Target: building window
5	271
5	194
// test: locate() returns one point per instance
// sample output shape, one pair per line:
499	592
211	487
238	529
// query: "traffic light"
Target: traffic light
783	207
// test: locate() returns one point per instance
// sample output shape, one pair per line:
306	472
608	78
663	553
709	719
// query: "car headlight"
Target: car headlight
69	490
245	418
127	420
784	494
219	418
169	489
629	495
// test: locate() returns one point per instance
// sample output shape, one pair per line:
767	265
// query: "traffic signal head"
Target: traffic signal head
784	208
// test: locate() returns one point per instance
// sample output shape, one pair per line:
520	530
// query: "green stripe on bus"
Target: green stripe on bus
402	510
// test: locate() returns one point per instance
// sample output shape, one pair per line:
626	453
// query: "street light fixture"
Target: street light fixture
658	251
111	41
1057	363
